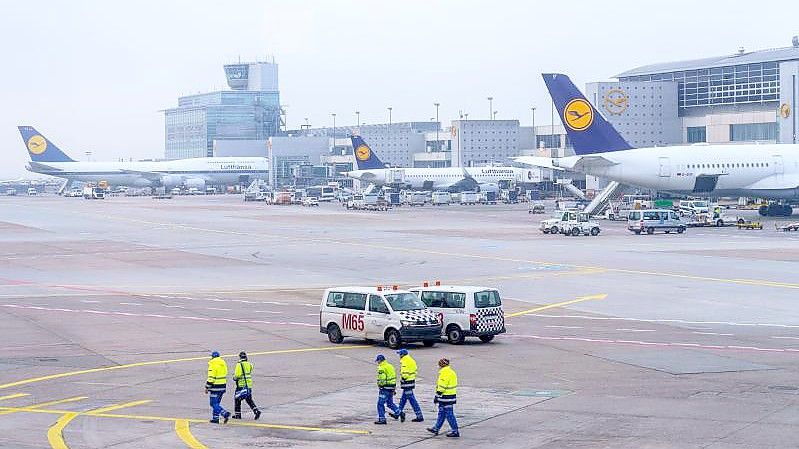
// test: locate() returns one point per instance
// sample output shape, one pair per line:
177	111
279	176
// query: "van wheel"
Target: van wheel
681	229
393	339
637	232
667	231
334	333
650	231
553	230
429	343
454	334
575	232
486	338
595	231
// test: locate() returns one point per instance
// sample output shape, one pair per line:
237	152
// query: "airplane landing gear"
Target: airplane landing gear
775	210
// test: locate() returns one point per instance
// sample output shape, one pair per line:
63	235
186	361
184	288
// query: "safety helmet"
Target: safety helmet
215	354
380	358
402	352
242	355
443	362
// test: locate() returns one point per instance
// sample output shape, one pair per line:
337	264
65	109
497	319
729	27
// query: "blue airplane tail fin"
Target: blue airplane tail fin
40	149
588	131
365	158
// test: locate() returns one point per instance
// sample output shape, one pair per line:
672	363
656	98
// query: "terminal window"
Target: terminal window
753	131
697	134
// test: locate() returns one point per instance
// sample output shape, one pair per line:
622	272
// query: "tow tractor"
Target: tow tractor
743	223
556	224
582	224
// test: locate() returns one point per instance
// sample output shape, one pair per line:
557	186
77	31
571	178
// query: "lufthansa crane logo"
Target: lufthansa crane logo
785	110
37	144
363	153
616	101
578	114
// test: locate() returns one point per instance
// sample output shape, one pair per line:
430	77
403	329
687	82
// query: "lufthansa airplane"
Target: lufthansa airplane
754	170
454	179
48	159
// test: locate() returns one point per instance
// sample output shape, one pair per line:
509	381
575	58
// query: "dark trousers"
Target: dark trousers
408	396
237	402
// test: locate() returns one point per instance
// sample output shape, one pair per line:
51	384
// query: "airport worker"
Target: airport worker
215	386
445	398
386	384
408	383
242	375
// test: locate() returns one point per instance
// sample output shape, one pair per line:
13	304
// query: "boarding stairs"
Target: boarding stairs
602	200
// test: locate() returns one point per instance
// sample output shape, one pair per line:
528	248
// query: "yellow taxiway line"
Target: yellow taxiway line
184	433
159	362
558	304
55	434
94	413
34	407
12	396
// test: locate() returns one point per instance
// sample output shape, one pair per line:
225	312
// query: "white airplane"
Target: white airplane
48	159
768	171
372	170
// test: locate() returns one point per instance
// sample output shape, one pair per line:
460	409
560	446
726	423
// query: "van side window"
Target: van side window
488	298
433	299
674	216
355	301
376	304
335	299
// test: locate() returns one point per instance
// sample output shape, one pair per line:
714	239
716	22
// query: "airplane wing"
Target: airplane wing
38	166
776	182
149	175
589	162
537	161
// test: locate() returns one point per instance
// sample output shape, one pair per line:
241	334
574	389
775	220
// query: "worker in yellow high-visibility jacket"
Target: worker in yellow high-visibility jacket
215	386
407	384
445	398
386	384
242	375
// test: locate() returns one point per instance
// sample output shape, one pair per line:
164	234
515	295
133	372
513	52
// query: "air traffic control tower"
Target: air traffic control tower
250	110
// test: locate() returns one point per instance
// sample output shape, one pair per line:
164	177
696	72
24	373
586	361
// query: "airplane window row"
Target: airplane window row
730	165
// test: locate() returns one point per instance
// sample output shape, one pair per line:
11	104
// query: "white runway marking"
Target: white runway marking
787	338
565	327
88	301
635	330
219	309
654	343
154	315
129	304
267	311
711	333
673	321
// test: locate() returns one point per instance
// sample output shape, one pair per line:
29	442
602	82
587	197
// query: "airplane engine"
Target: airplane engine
170	181
198	183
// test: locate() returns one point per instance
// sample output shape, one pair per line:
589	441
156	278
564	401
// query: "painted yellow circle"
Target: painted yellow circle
363	153
37	144
578	114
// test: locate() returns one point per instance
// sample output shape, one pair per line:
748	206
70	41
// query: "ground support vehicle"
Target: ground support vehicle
470	198
441	199
536	209
787	227
652	220
93	193
748	224
582	225
376	313
465	311
555	224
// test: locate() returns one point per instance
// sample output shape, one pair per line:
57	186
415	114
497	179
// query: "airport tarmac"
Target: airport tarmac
110	308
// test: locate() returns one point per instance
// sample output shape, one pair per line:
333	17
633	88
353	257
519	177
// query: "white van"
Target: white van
651	220
375	313
441	198
465	311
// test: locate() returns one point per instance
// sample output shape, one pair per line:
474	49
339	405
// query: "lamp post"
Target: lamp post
535	143
358	118
334	131
389	121
438	124
490	107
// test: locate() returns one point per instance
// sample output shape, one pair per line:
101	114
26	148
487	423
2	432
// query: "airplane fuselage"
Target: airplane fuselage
441	178
213	170
767	170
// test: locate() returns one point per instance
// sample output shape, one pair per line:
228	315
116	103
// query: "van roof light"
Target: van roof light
395	287
380	288
438	283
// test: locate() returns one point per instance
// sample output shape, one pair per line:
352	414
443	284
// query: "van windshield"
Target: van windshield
404	301
488	298
700	204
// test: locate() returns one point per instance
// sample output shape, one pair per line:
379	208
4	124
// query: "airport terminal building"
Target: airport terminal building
743	97
249	111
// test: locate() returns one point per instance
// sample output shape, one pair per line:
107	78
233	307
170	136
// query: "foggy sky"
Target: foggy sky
95	75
